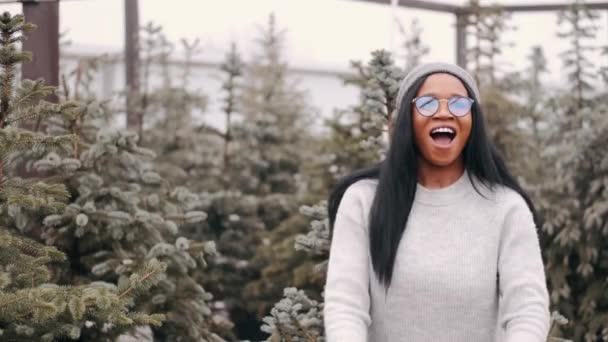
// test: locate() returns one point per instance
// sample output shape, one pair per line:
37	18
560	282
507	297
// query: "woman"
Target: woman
437	242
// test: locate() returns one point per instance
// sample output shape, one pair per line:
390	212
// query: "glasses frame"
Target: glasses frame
471	101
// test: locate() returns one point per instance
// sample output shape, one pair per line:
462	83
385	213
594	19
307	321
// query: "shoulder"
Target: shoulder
362	188
359	195
513	208
502	201
500	196
511	200
366	184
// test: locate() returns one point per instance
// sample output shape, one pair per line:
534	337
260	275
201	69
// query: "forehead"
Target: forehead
443	85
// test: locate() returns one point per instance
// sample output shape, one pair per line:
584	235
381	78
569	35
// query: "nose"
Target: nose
443	111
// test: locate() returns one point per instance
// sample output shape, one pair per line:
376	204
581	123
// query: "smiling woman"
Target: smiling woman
442	128
437	242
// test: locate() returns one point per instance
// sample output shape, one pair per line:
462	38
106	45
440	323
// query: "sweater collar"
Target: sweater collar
446	195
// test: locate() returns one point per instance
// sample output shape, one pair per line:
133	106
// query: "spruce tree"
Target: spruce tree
170	108
298	315
573	204
415	49
233	68
572	193
486	25
581	32
534	125
276	120
267	139
123	216
35	301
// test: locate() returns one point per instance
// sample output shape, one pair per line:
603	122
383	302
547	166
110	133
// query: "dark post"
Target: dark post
42	42
461	39
134	113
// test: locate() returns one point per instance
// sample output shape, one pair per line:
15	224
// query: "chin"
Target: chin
442	161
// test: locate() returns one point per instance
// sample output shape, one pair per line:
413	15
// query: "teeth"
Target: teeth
442	130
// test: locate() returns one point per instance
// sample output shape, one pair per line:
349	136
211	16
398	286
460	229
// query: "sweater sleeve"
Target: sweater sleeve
524	301
347	302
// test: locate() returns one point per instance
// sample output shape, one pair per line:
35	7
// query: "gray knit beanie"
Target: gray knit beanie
431	68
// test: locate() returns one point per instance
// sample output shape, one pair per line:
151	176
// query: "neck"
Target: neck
435	177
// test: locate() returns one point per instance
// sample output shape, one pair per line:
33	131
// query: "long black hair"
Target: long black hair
397	179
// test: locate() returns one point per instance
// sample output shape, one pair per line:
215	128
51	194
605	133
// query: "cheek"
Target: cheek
466	126
418	124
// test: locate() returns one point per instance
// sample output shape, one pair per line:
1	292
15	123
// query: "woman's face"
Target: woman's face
441	149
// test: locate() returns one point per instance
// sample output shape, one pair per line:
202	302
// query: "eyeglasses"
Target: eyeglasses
458	105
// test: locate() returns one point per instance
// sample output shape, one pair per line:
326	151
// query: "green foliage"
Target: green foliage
582	29
485	24
170	108
295	318
122	216
276	120
33	306
415	49
357	135
574	202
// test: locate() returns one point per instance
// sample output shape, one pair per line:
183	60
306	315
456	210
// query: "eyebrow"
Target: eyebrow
435	94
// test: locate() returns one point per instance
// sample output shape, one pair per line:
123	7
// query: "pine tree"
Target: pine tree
414	47
486	26
298	315
268	135
582	28
295	318
357	134
573	204
233	67
474	27
495	26
33	306
604	68
276	120
200	157
534	123
122	217
170	108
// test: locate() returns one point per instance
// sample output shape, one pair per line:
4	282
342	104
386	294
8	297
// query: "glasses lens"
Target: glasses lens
459	106
427	105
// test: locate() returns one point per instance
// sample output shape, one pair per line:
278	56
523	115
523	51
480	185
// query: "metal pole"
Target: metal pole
134	113
461	39
393	18
43	43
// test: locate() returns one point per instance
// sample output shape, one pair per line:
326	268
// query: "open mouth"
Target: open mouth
443	136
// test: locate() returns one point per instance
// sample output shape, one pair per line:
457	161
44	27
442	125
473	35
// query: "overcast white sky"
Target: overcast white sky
323	34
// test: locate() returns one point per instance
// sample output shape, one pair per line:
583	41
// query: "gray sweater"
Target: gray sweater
468	269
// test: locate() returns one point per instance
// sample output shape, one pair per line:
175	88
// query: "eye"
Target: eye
460	104
426	102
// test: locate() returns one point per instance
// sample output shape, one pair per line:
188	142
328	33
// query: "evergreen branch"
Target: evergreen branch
151	272
14	300
304	332
16	140
31	92
34	195
29	247
145	319
44	109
